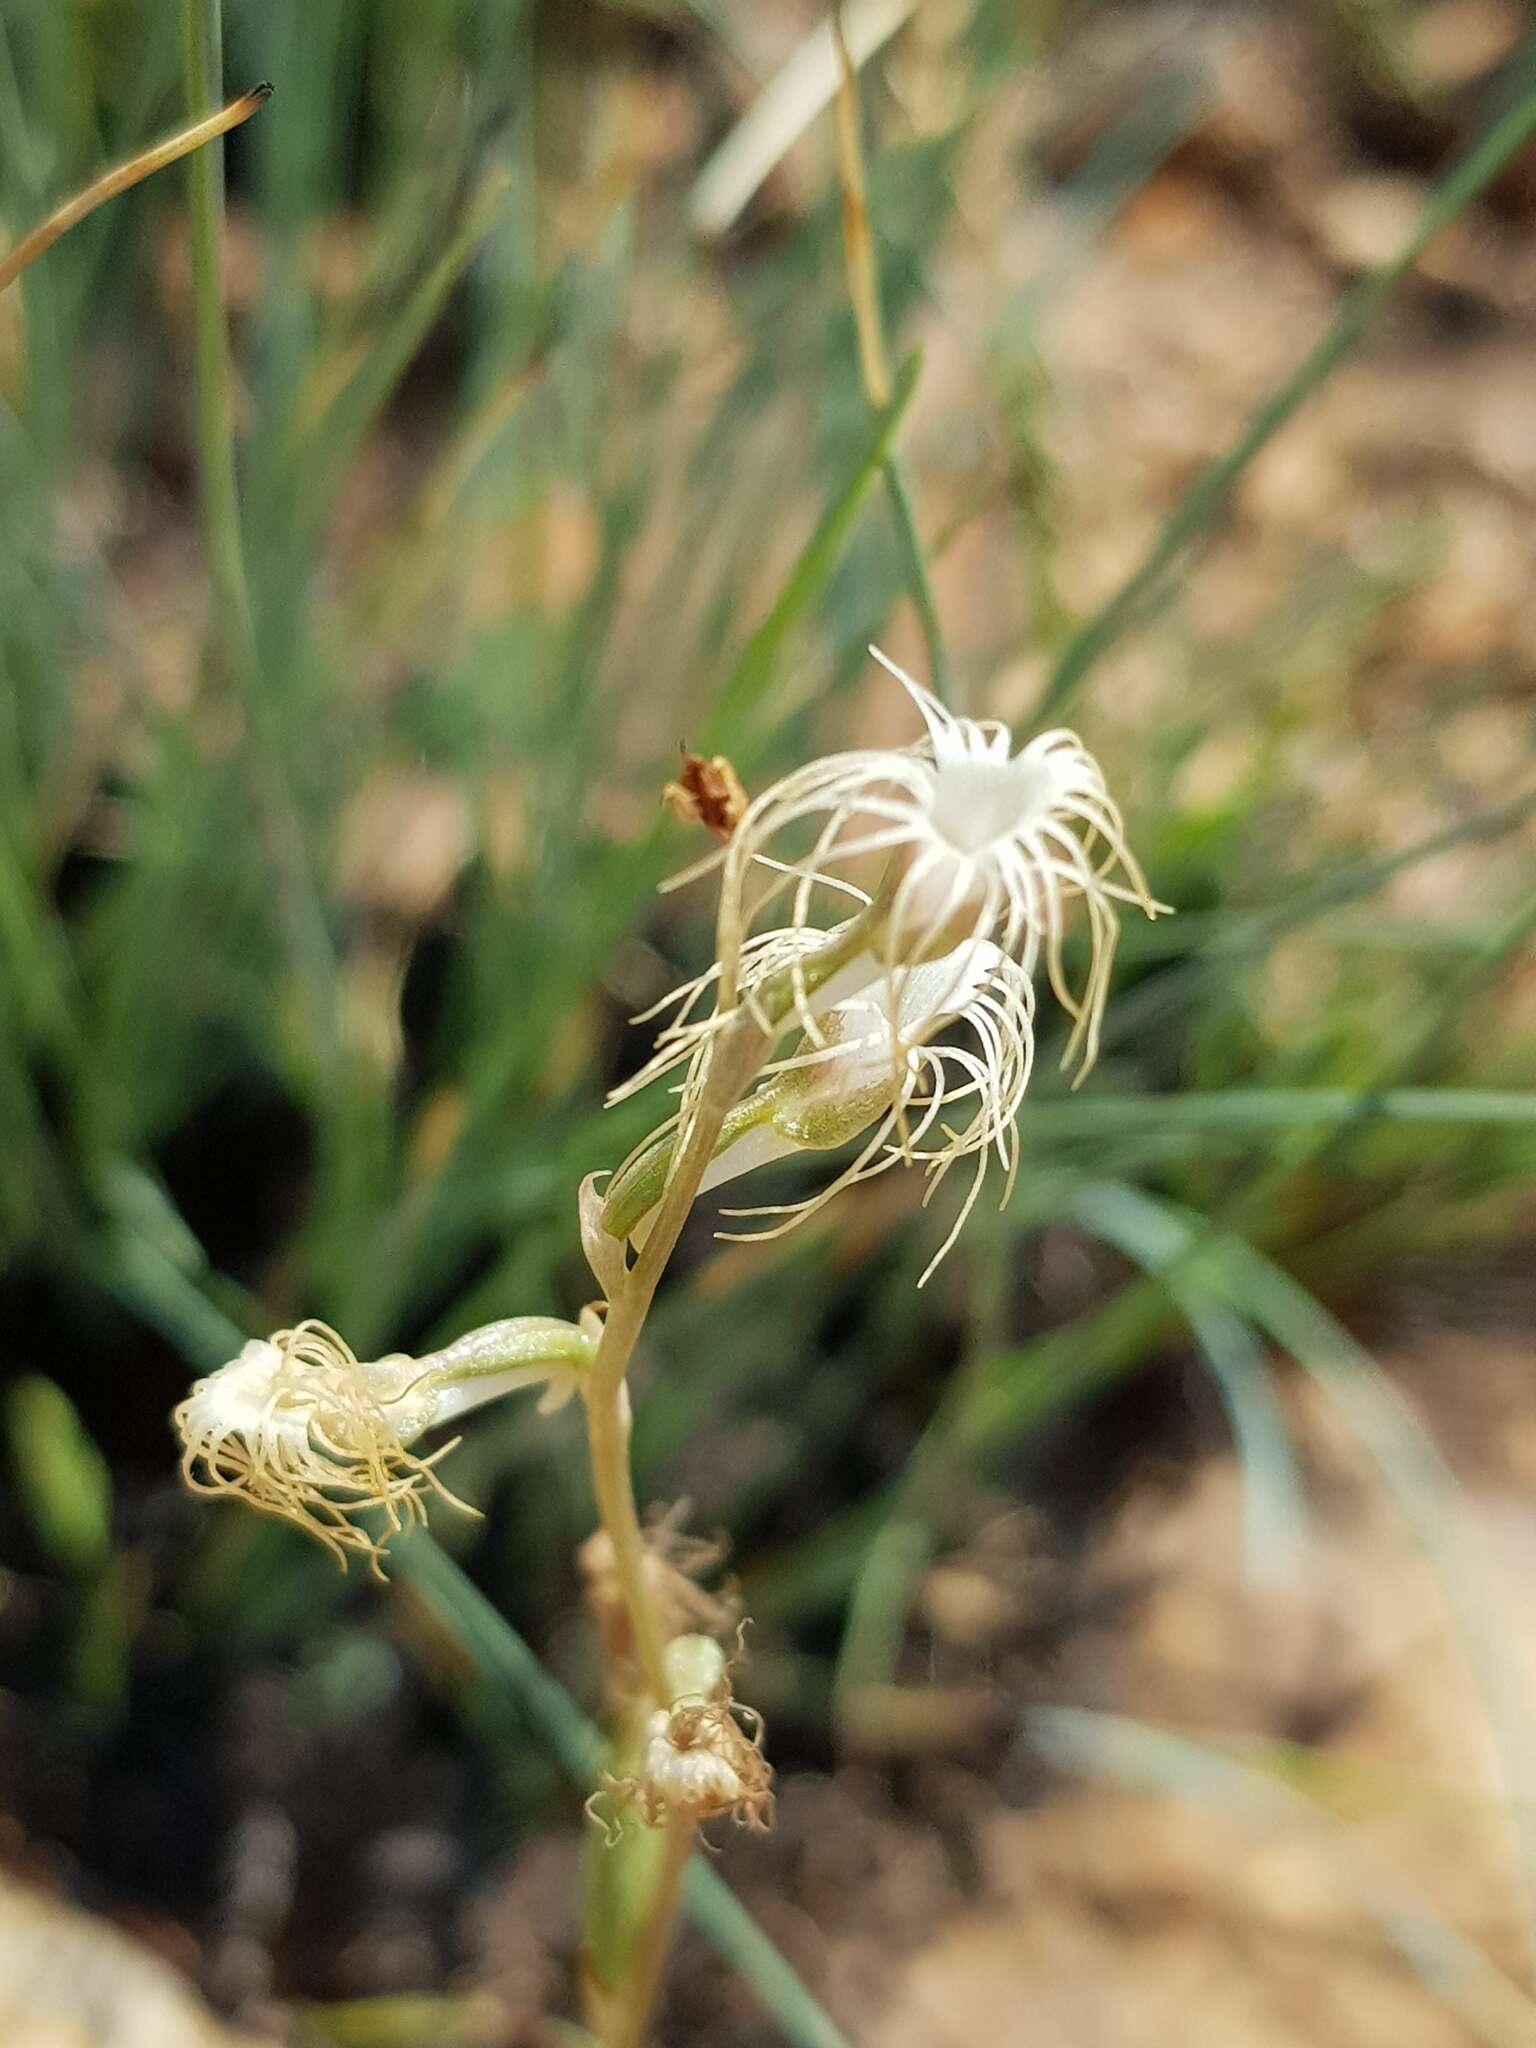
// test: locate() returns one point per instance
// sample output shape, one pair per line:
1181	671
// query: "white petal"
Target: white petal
760	1146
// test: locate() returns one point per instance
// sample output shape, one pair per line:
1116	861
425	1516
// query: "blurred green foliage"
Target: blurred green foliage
316	966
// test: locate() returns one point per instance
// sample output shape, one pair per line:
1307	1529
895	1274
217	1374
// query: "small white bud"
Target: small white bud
695	1667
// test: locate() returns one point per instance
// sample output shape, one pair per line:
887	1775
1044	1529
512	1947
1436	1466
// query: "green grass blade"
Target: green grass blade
919	588
63	1483
203	62
743	688
876	1627
734	1934
500	1655
1274	1501
140	1274
1026	1384
1012	1392
1210	492
1227	939
1249	1109
324	448
906	1537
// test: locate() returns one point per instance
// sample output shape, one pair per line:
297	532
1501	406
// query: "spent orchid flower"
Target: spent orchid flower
701	1755
981	842
867	1069
299	1427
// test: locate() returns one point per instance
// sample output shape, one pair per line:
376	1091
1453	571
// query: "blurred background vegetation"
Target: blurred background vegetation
319	950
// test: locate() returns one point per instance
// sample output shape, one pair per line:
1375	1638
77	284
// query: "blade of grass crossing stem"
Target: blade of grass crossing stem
1210	492
1426	1490
501	1655
1083	1740
743	688
156	1290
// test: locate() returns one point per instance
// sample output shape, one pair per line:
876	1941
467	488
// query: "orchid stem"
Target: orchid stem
653	1943
738	1053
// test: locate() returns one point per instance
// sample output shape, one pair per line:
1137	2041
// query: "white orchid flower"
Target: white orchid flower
873	1072
983	843
298	1426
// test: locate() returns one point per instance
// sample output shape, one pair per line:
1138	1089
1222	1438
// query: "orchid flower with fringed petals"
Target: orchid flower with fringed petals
984	843
299	1427
870	1072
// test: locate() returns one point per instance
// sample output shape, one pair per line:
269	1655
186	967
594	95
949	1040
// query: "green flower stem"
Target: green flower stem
736	1056
607	1408
738	1053
653	1941
138	1275
508	1346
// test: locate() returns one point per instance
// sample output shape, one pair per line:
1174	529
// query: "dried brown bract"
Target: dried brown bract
675	1564
708	793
